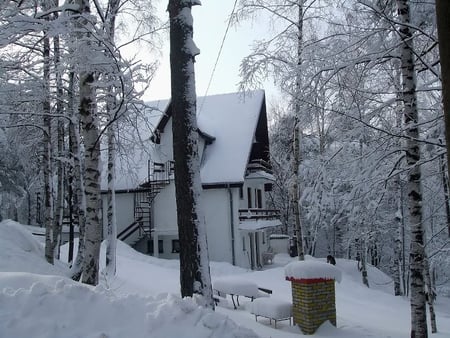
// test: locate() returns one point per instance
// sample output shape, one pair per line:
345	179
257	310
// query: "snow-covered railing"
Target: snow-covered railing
160	171
263	214
259	164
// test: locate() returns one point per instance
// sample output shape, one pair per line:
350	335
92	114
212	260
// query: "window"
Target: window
268	186
249	197
243	243
175	246
263	237
258	198
241	192
160	246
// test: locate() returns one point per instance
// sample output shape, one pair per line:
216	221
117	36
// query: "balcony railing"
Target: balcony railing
258	214
158	171
259	164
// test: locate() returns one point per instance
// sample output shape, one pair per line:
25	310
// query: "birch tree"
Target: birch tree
414	191
91	137
47	159
443	28
111	233
194	262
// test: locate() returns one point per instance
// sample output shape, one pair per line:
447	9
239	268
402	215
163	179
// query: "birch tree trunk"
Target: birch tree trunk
47	154
399	273
431	295
398	243
194	262
446	192
443	29
417	253
111	231
59	211
79	198
91	134
79	205
297	133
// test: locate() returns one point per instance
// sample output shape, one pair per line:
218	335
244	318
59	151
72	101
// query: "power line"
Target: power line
218	55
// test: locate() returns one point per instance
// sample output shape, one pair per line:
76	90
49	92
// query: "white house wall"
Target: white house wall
124	210
253	184
216	203
165	148
165	209
218	227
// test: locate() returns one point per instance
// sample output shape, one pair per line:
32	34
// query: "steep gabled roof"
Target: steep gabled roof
237	128
234	127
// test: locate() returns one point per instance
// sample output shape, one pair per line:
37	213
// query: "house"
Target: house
235	174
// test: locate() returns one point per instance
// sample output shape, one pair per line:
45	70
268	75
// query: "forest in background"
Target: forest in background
357	136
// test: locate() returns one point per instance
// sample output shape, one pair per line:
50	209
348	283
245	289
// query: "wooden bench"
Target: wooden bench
236	287
273	309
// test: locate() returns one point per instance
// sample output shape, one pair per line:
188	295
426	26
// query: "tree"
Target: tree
194	263
443	28
91	137
414	192
111	237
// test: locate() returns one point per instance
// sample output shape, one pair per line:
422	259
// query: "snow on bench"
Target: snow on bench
271	308
235	286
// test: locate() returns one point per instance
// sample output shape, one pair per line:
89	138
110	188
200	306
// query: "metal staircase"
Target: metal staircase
159	175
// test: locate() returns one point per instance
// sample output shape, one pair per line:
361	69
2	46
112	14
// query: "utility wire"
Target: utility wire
218	55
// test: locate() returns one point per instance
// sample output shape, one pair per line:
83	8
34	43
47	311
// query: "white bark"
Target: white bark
111	233
90	133
59	211
417	253
47	155
79	196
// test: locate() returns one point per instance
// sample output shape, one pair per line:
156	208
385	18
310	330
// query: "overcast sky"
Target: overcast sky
210	22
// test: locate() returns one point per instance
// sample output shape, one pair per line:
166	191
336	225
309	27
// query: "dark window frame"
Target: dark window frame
175	245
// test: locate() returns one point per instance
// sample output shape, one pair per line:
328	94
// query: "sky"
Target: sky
143	300
210	22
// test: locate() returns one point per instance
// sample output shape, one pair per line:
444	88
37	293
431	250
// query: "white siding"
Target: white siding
164	209
254	184
124	210
217	215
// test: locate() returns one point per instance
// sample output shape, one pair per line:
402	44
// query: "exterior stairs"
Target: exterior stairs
159	176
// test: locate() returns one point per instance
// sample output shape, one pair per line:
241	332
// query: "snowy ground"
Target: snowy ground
142	301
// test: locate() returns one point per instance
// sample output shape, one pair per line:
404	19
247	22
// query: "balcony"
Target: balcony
259	165
258	214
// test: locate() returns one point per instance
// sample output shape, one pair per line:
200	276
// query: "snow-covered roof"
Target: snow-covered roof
229	121
312	270
232	119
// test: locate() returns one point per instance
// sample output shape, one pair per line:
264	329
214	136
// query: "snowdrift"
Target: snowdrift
37	300
40	305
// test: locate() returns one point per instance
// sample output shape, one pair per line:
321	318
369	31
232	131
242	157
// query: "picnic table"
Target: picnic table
236	286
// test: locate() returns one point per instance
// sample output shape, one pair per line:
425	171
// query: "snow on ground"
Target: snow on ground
143	299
